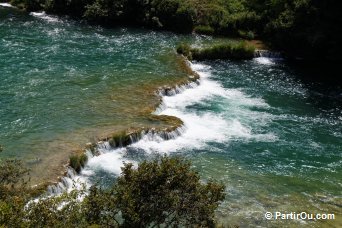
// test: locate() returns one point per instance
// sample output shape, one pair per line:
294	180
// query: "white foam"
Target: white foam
5	4
202	128
71	181
110	161
43	15
265	60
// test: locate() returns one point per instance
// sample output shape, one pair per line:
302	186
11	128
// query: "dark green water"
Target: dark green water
275	141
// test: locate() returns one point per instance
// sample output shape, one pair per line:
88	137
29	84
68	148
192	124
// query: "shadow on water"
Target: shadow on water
324	86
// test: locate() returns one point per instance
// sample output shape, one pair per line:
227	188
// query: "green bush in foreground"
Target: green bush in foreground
162	192
166	191
233	50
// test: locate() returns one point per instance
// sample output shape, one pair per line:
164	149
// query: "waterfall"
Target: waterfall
64	184
72	180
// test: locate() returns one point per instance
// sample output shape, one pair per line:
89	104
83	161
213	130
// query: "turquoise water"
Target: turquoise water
64	83
273	139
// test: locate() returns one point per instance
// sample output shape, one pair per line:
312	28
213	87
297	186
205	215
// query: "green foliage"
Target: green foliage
161	192
100	208
249	35
78	161
11	172
174	14
231	50
305	28
184	49
64	210
105	11
204	29
12	194
120	139
165	191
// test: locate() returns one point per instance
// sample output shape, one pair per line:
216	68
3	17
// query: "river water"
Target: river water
273	139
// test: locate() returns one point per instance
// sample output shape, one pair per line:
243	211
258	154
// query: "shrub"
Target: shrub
162	192
165	191
174	14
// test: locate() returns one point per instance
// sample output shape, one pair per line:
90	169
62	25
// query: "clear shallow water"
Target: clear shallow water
272	139
64	83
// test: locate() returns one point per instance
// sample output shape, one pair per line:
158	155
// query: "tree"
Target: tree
165	191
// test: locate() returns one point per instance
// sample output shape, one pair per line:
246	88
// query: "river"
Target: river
272	138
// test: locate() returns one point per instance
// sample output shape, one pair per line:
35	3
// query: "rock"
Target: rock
156	23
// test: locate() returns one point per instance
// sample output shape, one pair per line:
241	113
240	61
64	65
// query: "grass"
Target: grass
231	50
248	35
204	29
184	49
122	139
78	161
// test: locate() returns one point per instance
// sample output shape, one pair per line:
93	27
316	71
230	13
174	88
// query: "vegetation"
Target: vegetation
302	28
248	35
78	161
231	50
204	29
163	191
122	139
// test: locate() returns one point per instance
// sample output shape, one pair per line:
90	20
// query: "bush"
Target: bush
162	192
174	14
165	191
